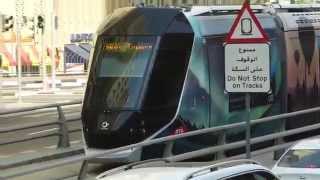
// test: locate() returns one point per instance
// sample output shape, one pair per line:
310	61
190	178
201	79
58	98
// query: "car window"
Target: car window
264	176
243	177
301	158
258	175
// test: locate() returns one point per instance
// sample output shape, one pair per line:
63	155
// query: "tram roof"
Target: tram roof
138	21
201	10
157	21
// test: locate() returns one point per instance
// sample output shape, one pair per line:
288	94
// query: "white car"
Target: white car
162	170
300	162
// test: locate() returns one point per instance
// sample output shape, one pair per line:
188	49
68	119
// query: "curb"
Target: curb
59	153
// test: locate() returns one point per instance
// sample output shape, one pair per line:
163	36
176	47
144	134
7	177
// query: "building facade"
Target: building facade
66	19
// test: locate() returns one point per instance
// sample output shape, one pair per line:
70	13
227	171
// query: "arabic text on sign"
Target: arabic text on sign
252	50
248	59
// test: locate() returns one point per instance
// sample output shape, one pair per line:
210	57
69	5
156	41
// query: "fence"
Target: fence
221	147
63	131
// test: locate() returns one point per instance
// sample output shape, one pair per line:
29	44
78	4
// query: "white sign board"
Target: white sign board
247	67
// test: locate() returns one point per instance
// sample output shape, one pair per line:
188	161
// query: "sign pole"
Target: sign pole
247	61
248	127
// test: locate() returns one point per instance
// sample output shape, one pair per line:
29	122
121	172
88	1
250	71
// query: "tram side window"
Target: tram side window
169	73
195	103
237	100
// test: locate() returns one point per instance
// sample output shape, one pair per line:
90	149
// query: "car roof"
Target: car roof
231	171
152	173
180	171
308	144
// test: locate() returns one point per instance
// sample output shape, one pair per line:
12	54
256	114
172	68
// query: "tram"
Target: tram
159	71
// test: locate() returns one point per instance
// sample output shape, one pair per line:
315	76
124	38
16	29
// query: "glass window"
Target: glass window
264	176
303	71
258	175
121	68
195	105
301	158
125	57
242	177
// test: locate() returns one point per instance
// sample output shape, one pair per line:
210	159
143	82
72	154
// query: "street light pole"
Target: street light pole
53	62
44	67
19	14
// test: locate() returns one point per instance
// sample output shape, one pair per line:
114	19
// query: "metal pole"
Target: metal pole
18	51
53	61
221	140
64	140
1	89
248	127
19	12
44	67
83	171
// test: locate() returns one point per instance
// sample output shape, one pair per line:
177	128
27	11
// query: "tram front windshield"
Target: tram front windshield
121	68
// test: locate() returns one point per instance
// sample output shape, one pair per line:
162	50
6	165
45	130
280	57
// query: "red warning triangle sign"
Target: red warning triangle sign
246	28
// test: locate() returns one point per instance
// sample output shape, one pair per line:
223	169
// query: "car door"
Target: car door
255	175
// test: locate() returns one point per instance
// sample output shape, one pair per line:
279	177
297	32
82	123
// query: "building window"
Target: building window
184	1
195	2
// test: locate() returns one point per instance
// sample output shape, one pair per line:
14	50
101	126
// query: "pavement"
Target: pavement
37	84
9	94
65	85
70	87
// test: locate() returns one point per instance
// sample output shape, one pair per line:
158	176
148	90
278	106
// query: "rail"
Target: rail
222	146
63	130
